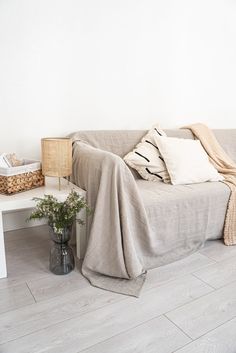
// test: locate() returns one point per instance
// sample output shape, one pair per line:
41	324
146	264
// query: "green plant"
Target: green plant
59	214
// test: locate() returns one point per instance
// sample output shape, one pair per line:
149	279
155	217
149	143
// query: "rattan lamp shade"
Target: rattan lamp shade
56	156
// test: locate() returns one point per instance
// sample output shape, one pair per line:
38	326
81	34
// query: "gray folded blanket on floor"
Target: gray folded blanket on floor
118	224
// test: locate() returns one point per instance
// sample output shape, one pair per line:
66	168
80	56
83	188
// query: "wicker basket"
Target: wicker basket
22	178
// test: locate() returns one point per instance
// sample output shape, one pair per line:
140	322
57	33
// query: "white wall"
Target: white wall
67	65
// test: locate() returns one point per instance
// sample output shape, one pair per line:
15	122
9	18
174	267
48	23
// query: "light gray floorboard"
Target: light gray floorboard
206	313
70	315
179	268
21	237
82	332
24	278
24	257
15	297
157	335
17	323
220	340
52	286
219	274
218	251
27	262
14	281
27	253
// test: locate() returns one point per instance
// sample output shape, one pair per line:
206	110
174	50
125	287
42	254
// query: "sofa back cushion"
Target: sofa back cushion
121	142
227	139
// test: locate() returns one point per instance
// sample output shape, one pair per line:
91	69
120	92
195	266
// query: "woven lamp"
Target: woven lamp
56	157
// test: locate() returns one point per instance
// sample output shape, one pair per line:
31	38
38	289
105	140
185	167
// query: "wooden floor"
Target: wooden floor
186	307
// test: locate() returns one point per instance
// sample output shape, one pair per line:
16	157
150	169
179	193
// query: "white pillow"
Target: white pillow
186	160
146	158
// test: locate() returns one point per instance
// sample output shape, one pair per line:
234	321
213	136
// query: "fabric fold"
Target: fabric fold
225	166
118	221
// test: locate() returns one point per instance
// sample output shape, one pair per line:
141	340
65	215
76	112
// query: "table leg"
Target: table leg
3	266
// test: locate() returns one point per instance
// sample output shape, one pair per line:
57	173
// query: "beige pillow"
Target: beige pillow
186	160
146	158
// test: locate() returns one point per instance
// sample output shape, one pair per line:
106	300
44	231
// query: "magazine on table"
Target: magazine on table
8	160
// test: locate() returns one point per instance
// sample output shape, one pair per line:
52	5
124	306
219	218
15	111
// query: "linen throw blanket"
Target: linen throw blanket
118	224
224	164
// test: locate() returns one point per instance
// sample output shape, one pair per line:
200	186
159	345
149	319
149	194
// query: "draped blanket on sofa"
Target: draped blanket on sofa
138	225
118	223
226	166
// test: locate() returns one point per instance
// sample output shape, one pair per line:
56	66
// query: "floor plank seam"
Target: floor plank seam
219	260
120	333
41	276
87	304
206	333
185	345
163	314
223	323
226	284
18	308
215	288
209	258
108	304
179	328
200	279
231	257
190	301
123	297
30	292
58	322
172	279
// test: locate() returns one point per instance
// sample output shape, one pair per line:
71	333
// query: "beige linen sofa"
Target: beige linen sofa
180	218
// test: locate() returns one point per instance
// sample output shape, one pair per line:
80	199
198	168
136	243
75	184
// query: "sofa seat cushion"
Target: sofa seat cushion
182	217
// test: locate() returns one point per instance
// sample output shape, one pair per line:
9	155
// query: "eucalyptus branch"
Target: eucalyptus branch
59	214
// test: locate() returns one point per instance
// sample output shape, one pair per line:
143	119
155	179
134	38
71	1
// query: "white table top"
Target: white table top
25	199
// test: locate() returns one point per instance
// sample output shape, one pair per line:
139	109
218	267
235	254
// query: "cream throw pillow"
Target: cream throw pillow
186	160
146	158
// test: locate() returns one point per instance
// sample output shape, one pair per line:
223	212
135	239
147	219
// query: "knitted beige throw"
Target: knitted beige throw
225	166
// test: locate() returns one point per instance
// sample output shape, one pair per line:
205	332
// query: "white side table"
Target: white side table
24	200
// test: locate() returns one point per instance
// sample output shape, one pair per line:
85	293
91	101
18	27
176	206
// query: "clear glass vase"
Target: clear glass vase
61	259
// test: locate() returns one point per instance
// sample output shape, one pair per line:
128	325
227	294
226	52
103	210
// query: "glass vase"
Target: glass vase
61	259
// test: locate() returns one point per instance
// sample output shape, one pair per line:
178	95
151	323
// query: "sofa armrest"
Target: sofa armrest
89	163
